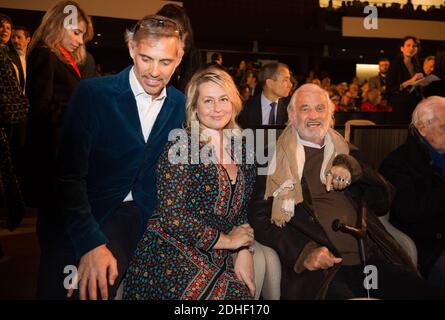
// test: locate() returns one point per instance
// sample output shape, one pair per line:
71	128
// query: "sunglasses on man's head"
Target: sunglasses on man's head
154	22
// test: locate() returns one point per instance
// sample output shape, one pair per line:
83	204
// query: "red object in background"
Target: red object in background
368	107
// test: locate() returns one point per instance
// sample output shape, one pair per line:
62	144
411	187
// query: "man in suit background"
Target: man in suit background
269	107
20	39
379	81
114	130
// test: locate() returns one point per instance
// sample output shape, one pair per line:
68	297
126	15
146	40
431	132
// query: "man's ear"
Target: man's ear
179	58
421	128
131	48
291	114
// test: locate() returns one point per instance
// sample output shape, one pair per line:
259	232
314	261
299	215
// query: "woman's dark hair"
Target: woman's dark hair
178	14
416	40
5	18
191	61
416	60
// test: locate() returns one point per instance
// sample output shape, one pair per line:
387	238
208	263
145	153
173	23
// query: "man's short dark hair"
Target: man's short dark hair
270	71
5	18
24	29
383	60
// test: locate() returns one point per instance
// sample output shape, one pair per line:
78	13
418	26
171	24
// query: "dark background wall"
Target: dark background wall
299	33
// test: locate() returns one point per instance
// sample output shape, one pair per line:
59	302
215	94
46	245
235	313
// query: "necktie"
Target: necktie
272	113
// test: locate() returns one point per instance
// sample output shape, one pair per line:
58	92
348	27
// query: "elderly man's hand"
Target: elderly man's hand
338	178
320	258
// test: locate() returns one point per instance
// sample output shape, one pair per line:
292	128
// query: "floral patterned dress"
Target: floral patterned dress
175	258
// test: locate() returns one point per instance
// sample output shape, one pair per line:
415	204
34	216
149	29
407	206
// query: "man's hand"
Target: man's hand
244	270
338	178
93	269
320	258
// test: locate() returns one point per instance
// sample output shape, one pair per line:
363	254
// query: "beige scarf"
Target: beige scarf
286	170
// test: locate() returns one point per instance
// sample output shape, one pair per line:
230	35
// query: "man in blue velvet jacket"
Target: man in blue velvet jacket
114	130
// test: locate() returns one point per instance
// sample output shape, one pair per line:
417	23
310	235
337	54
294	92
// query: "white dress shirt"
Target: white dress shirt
265	109
148	109
23	60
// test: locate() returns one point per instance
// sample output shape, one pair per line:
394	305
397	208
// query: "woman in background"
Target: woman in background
402	73
57	56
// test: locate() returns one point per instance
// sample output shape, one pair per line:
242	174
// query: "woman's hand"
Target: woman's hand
244	269
416	77
239	236
409	82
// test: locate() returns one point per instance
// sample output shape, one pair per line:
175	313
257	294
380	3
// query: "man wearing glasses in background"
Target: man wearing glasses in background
269	107
113	133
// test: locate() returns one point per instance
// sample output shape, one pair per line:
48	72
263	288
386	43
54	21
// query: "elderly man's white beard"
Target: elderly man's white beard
308	134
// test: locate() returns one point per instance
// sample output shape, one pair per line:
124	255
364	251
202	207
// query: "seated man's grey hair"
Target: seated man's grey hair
424	113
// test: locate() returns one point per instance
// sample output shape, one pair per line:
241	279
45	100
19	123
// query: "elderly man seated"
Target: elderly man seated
417	170
317	208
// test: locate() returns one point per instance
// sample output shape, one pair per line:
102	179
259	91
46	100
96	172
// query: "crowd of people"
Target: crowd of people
393	89
394	10
145	216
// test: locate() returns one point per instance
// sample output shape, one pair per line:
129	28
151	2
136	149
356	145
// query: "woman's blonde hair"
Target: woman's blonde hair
220	78
52	30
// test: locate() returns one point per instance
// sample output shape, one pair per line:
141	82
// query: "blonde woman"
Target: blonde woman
55	64
201	215
56	54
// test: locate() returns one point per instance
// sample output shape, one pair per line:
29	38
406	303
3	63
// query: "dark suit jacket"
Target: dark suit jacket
251	115
403	102
436	88
397	74
50	83
88	68
419	204
103	155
